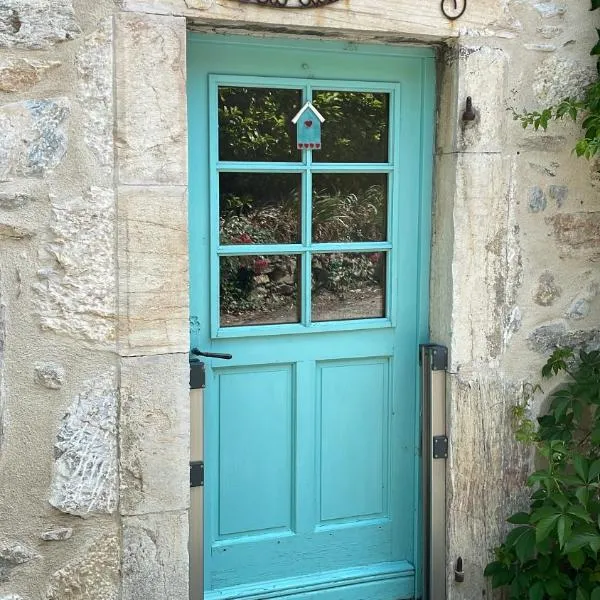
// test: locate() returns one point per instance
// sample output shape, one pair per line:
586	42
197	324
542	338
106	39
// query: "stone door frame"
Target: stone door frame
151	180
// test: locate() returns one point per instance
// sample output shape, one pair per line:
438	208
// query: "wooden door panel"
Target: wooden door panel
353	399
256	450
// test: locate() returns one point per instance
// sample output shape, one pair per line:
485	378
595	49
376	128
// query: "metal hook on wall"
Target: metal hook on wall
469	114
456	11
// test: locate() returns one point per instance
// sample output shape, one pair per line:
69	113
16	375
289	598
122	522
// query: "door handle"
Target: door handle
197	352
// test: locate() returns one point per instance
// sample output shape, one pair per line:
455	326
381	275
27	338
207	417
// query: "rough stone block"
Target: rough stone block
57	535
155	557
36	24
537	199
487	470
13	554
13	201
151	108
95	93
558	193
94	576
577	234
85	477
558	78
485	70
580	306
49	375
14	232
34	138
486	260
153	271
155	434
550	10
19	74
546	338
77	290
547	291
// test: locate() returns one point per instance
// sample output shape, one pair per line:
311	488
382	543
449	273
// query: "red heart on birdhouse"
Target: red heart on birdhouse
308	123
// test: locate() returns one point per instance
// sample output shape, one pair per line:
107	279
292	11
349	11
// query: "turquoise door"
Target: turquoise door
310	268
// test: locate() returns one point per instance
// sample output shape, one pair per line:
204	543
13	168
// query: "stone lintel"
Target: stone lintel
399	19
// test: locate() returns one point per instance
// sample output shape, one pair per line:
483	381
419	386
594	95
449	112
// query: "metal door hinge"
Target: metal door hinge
440	446
197	473
197	375
438	356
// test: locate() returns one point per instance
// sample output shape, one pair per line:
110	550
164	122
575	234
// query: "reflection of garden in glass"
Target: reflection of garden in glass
259	290
349	285
349	207
259	208
255	124
356	126
268	209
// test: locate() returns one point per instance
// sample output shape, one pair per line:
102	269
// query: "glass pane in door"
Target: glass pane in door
259	208
255	124
348	285
259	290
355	128
349	207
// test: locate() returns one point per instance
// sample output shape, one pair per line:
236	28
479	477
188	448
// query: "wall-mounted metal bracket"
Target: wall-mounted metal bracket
197	473
440	446
197	375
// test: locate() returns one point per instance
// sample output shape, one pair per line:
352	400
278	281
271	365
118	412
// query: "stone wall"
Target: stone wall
93	319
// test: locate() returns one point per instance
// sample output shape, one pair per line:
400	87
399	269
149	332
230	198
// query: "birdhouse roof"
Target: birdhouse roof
308	106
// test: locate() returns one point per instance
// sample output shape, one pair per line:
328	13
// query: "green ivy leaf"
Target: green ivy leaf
582	594
563	527
595	4
554	588
560	500
520	518
545	527
536	591
581	466
595	466
525	545
577	559
595	595
579	511
493	568
582	538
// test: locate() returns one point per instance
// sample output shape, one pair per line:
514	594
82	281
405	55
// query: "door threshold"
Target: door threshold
384	581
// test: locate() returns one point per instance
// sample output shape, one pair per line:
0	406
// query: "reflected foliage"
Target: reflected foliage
356	126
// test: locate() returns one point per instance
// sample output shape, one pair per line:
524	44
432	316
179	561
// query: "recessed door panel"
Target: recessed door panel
353	399
256	466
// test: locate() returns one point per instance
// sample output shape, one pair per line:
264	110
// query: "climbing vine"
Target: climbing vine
552	552
587	107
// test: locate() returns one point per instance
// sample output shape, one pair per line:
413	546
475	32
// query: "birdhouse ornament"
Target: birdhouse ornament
308	127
